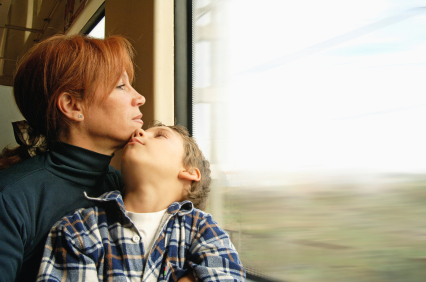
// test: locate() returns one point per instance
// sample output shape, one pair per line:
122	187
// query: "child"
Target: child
157	231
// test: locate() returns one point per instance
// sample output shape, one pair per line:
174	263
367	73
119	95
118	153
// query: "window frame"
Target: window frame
183	39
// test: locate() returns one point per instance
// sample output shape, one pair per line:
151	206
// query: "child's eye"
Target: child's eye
161	134
121	86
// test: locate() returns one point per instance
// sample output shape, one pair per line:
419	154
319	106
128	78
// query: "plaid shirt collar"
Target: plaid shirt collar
180	208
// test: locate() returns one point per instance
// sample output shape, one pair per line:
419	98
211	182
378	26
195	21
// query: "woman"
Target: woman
76	95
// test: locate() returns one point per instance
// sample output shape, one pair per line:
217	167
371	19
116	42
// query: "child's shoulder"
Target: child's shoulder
199	212
205	226
202	217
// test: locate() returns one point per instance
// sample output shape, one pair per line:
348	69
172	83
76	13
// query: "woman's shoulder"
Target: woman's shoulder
114	172
116	177
26	170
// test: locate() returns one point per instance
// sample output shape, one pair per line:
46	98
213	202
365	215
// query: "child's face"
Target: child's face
157	152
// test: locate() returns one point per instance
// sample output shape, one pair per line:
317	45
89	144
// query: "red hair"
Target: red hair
77	64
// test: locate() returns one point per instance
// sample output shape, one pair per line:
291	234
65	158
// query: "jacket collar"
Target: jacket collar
180	208
77	165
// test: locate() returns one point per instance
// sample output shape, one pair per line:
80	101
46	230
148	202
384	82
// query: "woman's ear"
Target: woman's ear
70	106
195	175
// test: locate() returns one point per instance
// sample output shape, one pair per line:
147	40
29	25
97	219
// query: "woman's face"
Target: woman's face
111	120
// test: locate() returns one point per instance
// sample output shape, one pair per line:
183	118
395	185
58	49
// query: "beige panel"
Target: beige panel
164	61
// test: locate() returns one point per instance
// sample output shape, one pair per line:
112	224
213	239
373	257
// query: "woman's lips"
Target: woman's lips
138	119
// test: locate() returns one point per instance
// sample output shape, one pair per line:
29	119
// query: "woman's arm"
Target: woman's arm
11	245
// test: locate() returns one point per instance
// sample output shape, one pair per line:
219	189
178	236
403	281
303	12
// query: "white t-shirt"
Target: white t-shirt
147	225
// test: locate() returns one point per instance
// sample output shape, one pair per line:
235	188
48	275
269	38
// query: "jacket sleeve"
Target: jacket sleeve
64	256
212	255
12	236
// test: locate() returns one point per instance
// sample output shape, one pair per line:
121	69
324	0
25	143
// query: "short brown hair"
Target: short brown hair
193	158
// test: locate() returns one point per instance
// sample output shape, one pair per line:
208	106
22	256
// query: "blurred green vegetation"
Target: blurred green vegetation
345	233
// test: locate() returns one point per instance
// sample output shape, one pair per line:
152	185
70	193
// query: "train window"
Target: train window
312	115
95	27
99	30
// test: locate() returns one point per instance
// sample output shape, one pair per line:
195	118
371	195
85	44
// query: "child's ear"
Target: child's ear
70	106
195	175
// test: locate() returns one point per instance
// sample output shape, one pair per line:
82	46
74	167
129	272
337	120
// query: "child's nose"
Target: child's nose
139	132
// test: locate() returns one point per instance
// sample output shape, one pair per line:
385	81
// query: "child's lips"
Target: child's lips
135	141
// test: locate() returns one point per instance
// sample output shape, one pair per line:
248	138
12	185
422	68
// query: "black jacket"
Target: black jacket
36	193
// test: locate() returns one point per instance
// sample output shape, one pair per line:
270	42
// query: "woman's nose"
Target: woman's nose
139	133
139	99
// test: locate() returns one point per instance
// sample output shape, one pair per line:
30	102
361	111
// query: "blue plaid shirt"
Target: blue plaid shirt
102	244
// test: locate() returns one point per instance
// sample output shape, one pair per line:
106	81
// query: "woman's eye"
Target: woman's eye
121	86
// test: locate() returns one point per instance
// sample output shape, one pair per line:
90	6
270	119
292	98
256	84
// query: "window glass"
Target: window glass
312	115
99	30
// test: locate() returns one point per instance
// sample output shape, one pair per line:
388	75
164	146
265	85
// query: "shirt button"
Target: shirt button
136	238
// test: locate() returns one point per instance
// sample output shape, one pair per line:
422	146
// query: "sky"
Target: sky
320	86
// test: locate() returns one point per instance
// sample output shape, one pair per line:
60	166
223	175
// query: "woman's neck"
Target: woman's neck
86	143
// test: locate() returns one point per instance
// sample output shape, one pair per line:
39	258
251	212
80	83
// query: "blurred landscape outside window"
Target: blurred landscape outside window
312	114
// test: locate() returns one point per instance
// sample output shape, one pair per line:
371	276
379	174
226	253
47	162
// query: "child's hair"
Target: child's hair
193	158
